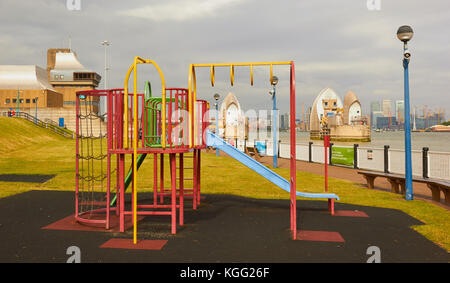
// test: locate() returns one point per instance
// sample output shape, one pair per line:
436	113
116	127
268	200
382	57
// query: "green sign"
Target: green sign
342	155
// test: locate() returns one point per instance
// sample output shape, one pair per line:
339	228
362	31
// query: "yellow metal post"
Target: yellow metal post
133	68
135	131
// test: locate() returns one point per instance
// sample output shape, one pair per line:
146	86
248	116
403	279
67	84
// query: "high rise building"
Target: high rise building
284	121
307	118
375	116
374	107
386	122
387	110
400	111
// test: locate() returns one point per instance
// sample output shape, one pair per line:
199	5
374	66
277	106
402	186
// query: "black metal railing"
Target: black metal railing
43	124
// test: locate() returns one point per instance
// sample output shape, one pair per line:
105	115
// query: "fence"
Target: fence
427	164
47	125
439	164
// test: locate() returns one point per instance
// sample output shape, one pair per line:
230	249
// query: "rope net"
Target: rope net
92	159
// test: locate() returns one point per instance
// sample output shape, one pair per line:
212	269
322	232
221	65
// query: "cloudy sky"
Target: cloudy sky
339	44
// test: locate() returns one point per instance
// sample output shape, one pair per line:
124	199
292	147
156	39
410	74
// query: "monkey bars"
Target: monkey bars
192	111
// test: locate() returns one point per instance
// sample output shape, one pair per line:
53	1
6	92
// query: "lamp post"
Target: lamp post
274	120
18	100
36	103
404	34
105	43
216	97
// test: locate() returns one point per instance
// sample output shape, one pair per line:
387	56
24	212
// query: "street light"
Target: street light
35	104
18	100
216	97
105	43
404	34
274	82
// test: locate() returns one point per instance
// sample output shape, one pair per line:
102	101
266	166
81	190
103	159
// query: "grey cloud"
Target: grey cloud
337	44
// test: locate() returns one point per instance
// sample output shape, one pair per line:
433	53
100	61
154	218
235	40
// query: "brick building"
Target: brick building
51	92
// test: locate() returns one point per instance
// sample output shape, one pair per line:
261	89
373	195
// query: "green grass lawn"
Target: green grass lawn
27	149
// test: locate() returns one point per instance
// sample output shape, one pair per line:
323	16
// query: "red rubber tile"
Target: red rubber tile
350	213
140	245
319	236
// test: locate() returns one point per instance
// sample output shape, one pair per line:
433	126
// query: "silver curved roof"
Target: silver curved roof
67	61
23	77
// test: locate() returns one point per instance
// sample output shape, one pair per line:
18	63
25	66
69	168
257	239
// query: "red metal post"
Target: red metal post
325	146
122	191
132	183
119	144
173	168
169	120
116	145
109	135
143	122
77	152
293	156
194	180
155	179
181	186
198	175
161	177
123	130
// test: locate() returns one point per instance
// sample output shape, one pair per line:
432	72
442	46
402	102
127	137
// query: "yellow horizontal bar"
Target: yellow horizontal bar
243	64
192	91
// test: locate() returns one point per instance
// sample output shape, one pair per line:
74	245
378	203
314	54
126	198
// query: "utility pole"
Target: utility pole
106	43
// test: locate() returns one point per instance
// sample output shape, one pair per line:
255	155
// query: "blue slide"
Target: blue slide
215	141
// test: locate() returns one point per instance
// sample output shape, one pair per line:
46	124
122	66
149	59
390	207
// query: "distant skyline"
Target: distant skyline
338	44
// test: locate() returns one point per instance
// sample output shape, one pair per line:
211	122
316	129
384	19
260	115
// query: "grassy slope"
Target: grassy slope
28	149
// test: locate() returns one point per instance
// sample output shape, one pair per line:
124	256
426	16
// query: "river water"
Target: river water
396	140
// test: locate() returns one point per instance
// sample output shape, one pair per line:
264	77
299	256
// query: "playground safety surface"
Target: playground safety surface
25	178
224	229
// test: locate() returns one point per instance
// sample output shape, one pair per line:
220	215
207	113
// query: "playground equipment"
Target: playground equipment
174	124
165	129
215	141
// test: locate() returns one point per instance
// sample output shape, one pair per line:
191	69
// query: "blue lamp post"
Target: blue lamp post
274	121
18	100
216	97
405	33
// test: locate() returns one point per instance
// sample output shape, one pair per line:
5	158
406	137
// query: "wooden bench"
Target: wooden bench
253	152
398	184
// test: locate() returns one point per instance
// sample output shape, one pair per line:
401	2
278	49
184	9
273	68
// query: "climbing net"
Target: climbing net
93	162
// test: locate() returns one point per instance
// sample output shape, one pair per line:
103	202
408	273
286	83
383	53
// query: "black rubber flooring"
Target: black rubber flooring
224	229
25	178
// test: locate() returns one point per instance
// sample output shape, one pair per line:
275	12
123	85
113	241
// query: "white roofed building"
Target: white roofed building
67	75
51	93
22	86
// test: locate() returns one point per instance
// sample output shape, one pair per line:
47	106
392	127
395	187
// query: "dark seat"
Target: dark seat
253	152
397	182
